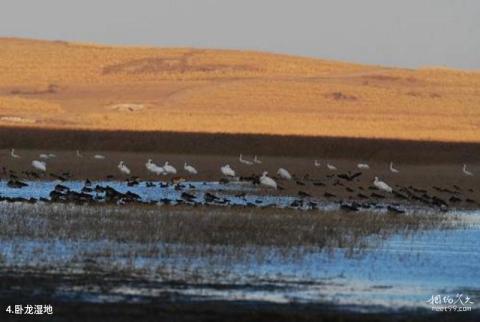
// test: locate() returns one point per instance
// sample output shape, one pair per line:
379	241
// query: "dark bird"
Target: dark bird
349	207
454	199
399	195
303	194
61	188
188	196
328	195
348	177
395	210
56	176
377	195
17	184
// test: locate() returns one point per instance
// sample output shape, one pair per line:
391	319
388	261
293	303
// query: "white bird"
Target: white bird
466	172
392	169
47	156
256	160
382	185
363	166
169	169
39	165
123	168
242	160
267	181
152	167
190	169
99	157
227	171
14	155
284	174
331	167
316	163
79	155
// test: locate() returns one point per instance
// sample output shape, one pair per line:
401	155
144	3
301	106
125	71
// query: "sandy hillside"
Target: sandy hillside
85	86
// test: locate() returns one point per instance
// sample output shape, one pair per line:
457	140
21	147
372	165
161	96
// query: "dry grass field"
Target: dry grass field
56	84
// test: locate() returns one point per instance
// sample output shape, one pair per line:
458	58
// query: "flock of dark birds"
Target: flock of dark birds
348	193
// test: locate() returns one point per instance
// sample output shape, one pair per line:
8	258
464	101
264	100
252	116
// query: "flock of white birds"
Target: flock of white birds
226	170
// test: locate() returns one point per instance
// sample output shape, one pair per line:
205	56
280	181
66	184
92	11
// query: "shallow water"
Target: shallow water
397	272
403	270
251	194
42	189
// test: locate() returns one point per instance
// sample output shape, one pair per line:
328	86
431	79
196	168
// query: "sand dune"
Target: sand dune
74	86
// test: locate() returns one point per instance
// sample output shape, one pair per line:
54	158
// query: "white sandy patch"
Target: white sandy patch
126	107
17	119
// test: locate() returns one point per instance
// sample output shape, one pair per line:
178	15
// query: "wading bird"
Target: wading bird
79	155
123	168
284	174
392	169
39	165
267	181
99	156
227	171
152	167
382	185
331	167
466	172
316	163
242	160
256	160
190	169
43	156
363	166
14	155
169	169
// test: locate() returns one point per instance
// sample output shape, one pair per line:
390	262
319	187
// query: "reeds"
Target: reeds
189	245
205	225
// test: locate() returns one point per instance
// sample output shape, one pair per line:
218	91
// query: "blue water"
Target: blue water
252	194
42	189
401	271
